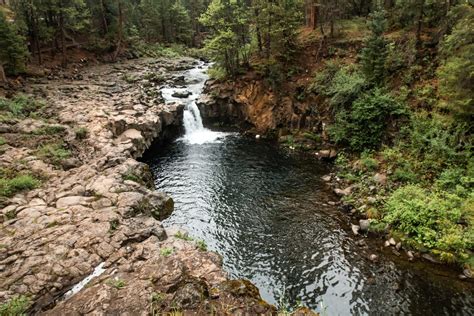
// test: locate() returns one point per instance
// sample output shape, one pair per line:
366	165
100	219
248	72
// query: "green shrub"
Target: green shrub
166	252
50	130
217	73
346	85
201	245
9	187
53	152
81	133
117	283
17	306
183	236
434	142
20	106
368	162
363	126
405	174
2	141
432	218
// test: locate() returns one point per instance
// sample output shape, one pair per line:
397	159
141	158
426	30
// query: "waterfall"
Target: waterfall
195	132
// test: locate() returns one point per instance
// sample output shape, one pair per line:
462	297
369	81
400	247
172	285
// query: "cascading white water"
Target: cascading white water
195	132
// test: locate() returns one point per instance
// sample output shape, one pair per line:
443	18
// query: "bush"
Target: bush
435	142
363	126
432	218
9	187
342	87
55	153
20	106
82	133
17	306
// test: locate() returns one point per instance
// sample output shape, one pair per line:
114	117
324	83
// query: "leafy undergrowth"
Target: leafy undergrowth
427	199
17	306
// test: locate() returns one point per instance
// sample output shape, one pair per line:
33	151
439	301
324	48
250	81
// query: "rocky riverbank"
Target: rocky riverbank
95	208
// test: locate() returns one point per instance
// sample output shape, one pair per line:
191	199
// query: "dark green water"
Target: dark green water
267	213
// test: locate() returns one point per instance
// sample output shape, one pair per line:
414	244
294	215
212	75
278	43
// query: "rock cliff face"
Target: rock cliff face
102	210
250	101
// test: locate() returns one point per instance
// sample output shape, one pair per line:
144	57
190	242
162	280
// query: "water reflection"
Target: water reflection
266	212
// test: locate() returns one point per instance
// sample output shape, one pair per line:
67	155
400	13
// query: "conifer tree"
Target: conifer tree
13	52
374	54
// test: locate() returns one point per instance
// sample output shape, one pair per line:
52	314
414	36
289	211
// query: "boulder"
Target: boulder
380	178
181	94
364	225
345	192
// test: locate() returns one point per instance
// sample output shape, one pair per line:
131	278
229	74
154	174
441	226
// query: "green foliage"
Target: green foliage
432	218
229	43
217	73
2	141
433	142
341	86
16	306
374	54
368	162
183	236
50	130
19	183
201	245
363	126
457	70
166	252
21	106
54	153
117	283
81	133
14	53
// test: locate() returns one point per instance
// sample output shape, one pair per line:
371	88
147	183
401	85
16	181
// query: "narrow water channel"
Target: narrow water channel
266	212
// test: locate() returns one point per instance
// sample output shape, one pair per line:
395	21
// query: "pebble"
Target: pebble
392	242
355	229
364	225
373	257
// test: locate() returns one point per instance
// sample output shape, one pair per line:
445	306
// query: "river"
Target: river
271	217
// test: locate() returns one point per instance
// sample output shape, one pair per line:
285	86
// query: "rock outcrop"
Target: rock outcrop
101	210
250	101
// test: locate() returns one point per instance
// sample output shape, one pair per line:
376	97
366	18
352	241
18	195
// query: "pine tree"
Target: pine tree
13	52
374	54
181	26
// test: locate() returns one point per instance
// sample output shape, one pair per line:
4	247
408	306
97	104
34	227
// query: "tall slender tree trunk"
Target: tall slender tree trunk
105	26
62	33
3	77
120	30
420	23
258	31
